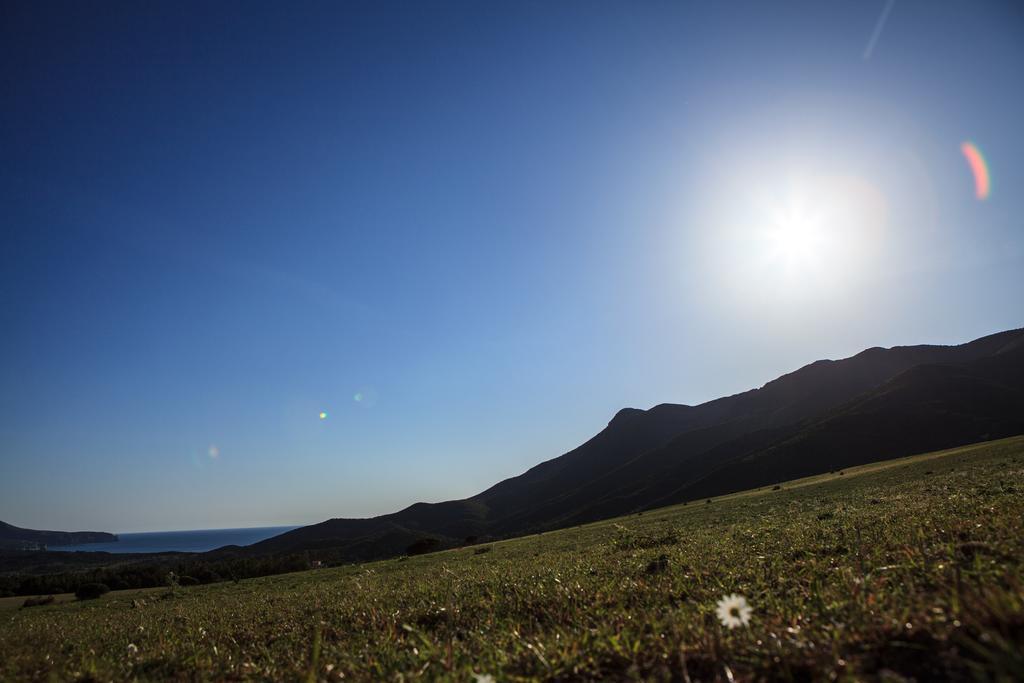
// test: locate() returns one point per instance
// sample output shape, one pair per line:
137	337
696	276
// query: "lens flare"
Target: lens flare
365	396
979	168
323	416
213	452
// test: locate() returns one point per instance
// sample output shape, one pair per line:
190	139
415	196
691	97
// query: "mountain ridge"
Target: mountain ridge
795	425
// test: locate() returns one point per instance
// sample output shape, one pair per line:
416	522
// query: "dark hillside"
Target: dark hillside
879	403
948	405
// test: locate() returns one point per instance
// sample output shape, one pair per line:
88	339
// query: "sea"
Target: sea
196	541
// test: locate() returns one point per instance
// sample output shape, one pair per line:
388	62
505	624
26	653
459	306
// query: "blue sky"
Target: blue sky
468	232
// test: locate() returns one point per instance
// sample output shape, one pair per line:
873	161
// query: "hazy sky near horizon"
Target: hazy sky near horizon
468	233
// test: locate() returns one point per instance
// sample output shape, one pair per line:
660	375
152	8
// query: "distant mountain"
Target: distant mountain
16	537
878	404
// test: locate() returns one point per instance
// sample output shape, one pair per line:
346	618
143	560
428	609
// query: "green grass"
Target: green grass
14	603
909	567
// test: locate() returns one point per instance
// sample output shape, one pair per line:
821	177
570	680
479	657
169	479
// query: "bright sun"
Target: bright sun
797	239
813	233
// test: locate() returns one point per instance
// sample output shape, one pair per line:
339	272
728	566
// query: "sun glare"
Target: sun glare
797	238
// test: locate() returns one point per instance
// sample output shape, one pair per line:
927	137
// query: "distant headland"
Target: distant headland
12	537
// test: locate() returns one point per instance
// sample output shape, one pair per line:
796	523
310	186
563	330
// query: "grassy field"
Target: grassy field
905	568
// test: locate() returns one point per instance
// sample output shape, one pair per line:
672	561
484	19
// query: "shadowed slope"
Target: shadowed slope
829	414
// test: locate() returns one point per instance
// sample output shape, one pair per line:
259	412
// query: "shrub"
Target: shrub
422	546
91	591
207	575
118	584
36	602
658	565
482	549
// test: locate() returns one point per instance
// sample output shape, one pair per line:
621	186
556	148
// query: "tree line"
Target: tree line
152	574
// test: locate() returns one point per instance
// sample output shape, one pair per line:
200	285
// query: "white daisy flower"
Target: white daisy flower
734	611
